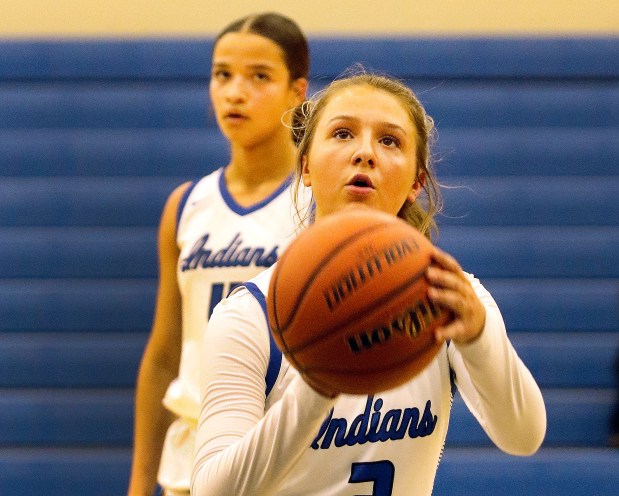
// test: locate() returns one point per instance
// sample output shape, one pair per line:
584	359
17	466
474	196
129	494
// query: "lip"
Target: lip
235	116
360	185
360	181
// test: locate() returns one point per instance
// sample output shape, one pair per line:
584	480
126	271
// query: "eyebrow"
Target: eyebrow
345	117
259	67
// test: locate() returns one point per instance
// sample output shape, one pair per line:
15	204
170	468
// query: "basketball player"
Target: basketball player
221	230
264	431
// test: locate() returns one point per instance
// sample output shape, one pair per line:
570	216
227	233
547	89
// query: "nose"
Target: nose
235	90
364	155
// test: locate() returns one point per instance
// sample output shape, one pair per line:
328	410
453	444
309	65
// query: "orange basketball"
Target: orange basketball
348	305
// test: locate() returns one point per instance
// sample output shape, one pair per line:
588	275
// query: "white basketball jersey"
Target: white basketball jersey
368	442
265	431
222	245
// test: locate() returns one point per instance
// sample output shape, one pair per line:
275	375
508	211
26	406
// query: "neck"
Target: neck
265	163
256	172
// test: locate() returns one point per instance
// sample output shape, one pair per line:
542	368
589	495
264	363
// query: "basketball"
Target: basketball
347	303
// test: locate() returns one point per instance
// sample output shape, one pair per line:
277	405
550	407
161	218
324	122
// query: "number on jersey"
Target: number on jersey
380	473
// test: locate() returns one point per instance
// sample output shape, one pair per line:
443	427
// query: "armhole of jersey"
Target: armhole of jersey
275	355
182	202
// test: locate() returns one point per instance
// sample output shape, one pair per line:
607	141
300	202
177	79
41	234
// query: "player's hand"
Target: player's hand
450	289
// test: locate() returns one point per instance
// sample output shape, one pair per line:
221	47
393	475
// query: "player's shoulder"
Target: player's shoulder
245	303
190	187
249	297
198	194
263	279
256	286
207	183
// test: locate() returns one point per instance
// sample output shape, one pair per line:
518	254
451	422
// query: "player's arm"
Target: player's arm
496	385
241	450
161	358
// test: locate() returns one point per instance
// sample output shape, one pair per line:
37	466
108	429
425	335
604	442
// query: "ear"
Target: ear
299	89
305	174
417	187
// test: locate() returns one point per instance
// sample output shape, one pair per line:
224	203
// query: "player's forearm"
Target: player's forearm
506	396
151	423
257	462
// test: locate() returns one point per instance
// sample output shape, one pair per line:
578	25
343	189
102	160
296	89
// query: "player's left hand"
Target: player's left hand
450	288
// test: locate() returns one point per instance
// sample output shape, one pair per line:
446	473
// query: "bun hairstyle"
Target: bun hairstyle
282	31
420	214
297	120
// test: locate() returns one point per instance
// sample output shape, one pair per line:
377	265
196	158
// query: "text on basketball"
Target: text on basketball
366	270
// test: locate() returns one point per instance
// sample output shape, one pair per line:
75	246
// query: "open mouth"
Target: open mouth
235	116
361	181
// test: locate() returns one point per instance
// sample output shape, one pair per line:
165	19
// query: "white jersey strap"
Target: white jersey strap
182	202
275	355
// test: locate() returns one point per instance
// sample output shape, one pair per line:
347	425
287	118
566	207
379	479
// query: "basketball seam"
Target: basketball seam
314	274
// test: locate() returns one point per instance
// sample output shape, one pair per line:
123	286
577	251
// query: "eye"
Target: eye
262	76
221	74
342	134
390	141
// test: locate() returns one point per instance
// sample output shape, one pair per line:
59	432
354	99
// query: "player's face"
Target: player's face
363	151
250	88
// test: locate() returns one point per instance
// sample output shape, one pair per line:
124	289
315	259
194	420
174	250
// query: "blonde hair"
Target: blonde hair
420	213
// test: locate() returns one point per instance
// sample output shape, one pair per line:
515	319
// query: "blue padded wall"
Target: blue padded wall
95	134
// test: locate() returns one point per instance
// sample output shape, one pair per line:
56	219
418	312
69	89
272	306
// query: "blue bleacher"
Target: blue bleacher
95	134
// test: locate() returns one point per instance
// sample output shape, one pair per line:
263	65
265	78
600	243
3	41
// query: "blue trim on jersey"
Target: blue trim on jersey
452	373
238	209
275	356
182	202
